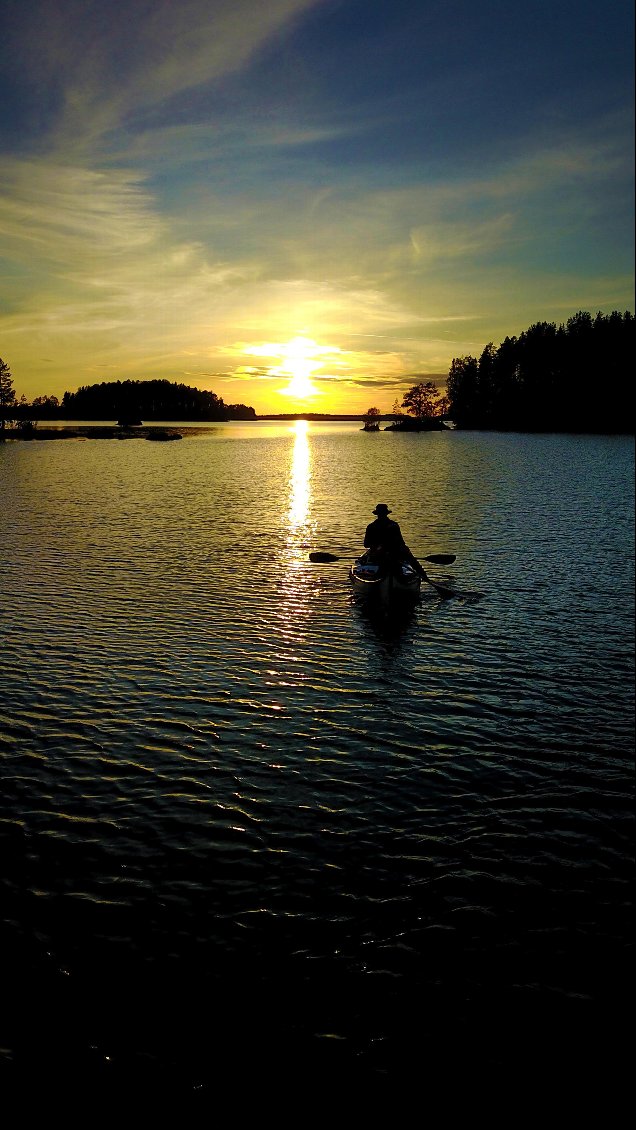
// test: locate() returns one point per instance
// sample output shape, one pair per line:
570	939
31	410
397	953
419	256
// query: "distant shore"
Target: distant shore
50	429
318	416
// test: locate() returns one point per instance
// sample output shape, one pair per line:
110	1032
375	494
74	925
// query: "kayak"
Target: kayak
400	580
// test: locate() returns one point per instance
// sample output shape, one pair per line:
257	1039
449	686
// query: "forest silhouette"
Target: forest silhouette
149	400
575	377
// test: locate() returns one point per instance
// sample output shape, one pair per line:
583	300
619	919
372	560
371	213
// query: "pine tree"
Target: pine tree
7	395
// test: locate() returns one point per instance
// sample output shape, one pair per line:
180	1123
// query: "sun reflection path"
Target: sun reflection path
295	584
296	581
298	520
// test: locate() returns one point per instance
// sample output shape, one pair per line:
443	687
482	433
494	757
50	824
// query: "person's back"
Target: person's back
384	542
383	535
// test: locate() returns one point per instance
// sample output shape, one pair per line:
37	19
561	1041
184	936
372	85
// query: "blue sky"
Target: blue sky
328	199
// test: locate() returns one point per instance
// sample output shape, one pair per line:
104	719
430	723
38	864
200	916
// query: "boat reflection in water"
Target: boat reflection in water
389	619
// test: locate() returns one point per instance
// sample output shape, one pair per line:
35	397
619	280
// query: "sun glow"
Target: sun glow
298	363
300	358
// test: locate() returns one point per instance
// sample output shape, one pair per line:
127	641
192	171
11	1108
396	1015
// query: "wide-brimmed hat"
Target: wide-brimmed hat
381	508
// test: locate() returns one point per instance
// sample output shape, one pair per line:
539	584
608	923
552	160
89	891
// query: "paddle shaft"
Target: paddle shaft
320	558
323	558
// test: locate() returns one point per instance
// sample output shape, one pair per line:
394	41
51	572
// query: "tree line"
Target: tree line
125	401
150	400
575	377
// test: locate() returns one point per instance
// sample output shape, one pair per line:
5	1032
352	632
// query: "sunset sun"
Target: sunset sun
298	363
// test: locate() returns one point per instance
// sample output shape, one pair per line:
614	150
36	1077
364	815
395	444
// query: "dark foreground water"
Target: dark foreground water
260	840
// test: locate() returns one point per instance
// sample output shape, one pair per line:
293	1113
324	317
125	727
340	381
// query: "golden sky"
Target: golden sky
305	204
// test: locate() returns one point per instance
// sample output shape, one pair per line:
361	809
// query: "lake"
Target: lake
261	837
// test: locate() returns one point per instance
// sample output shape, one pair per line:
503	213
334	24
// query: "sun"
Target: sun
298	359
298	362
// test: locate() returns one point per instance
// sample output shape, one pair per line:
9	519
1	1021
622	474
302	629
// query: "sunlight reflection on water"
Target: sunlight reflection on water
299	486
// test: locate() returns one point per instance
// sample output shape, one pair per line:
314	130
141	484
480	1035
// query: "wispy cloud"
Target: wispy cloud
105	66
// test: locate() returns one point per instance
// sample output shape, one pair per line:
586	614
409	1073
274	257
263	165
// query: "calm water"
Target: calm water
258	835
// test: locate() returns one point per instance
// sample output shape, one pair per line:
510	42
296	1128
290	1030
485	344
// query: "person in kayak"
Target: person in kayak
384	542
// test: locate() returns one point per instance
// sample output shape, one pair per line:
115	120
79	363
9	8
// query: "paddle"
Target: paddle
443	590
434	558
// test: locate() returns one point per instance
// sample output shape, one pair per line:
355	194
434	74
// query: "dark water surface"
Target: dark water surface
260	837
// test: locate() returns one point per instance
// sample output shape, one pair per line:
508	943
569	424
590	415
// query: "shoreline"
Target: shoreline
96	431
173	431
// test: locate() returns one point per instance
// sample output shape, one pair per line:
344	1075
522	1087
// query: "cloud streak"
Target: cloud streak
104	67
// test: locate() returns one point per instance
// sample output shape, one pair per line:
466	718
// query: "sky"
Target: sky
306	204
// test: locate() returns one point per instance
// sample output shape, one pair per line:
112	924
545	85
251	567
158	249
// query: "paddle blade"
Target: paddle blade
440	558
444	590
323	558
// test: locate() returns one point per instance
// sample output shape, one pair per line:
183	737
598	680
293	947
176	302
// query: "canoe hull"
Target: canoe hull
401	581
